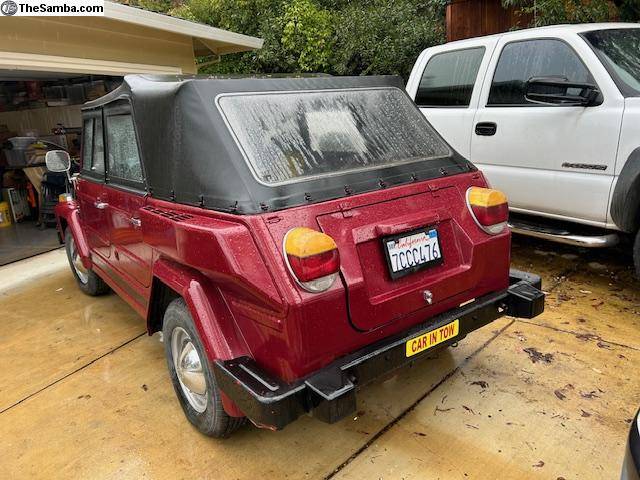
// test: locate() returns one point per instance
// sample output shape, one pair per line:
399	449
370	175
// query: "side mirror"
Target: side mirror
560	91
58	161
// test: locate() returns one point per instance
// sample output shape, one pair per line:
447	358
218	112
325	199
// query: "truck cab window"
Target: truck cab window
448	78
523	60
619	51
124	161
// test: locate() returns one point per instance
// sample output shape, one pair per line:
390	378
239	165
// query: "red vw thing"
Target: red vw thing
293	238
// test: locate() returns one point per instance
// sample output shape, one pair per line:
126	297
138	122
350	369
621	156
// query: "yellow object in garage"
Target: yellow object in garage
5	215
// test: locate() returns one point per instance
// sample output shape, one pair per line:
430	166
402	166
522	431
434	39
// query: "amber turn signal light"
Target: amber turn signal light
489	209
312	258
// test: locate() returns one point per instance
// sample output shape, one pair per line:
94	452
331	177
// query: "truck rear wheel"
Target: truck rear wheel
191	374
88	281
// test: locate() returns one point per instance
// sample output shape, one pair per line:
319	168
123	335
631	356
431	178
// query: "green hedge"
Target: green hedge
551	12
354	37
340	37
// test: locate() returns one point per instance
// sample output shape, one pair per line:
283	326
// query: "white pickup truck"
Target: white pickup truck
552	117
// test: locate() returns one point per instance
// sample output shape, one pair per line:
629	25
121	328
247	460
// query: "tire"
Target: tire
636	254
88	281
203	410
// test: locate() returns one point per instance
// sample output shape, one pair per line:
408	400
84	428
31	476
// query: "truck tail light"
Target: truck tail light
489	209
312	258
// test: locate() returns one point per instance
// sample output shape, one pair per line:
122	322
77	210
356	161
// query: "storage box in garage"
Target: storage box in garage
17	153
5	135
17	200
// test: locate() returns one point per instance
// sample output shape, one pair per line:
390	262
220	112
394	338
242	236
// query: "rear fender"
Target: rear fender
210	314
68	216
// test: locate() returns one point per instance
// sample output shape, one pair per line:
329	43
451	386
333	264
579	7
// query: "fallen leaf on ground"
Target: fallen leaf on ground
536	356
480	383
559	394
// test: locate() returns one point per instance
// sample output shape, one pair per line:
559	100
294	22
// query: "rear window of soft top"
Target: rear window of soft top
291	136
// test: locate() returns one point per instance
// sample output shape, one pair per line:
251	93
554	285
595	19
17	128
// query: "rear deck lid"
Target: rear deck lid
402	256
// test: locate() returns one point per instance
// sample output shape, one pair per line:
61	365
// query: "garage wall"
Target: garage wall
41	119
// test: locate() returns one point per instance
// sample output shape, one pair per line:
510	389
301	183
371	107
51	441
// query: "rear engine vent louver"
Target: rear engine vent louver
171	215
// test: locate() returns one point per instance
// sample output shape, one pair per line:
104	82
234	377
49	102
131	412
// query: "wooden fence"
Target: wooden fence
475	18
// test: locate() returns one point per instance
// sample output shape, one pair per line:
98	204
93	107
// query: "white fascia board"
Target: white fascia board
137	16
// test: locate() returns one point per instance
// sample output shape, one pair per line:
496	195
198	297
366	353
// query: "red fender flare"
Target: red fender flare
71	215
210	315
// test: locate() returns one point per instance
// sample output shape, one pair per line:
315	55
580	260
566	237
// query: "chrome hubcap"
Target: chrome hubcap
76	262
189	369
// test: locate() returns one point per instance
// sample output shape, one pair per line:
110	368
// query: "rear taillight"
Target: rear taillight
312	258
489	209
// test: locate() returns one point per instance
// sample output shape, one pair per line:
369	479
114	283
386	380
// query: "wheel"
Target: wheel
191	375
636	254
88	281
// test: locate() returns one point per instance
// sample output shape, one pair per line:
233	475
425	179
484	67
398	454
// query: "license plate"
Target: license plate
407	253
433	338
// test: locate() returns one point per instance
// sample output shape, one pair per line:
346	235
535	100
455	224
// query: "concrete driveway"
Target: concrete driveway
84	393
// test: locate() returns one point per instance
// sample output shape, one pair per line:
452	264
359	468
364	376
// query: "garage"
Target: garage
50	66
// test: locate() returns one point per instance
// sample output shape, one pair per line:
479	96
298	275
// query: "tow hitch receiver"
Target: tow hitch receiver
330	393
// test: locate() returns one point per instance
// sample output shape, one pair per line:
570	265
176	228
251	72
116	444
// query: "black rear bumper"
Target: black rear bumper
330	392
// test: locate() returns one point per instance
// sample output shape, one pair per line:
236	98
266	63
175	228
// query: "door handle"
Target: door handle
101	205
135	221
486	129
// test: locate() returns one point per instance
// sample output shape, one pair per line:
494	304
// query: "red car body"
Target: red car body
246	306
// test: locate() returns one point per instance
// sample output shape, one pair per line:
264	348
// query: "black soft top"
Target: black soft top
190	156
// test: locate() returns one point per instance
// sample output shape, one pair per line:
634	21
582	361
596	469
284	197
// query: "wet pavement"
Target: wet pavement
84	393
24	240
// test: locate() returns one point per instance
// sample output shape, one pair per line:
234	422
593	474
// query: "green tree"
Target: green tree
354	37
629	10
385	36
161	6
550	12
307	36
242	16
297	34
345	37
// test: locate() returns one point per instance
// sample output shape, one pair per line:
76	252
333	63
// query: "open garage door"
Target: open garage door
49	66
40	110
